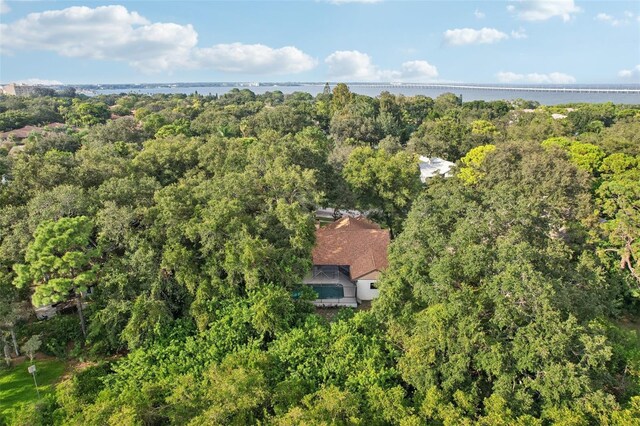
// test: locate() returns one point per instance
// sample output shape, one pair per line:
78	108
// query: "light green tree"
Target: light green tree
471	172
32	346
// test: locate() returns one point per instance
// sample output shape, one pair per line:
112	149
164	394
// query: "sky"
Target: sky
511	41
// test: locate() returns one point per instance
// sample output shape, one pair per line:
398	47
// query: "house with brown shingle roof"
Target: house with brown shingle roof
347	260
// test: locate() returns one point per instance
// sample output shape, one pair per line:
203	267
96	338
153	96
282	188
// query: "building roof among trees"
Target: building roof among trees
21	133
356	242
430	167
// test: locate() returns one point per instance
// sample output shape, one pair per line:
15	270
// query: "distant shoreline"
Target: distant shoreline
545	94
587	88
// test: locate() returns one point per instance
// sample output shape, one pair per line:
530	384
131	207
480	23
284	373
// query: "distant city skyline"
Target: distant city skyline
516	42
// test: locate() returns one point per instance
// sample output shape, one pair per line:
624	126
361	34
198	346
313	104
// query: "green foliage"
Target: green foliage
341	97
73	394
196	220
383	181
618	197
557	142
356	123
591	117
272	309
503	296
472	163
58	260
149	318
56	334
445	137
483	128
85	114
586	156
32	346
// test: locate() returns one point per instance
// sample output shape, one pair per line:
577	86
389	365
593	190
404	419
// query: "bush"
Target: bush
56	334
35	414
82	389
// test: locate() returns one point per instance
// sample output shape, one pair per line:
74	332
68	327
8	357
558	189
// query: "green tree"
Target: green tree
586	156
61	260
149	319
86	114
32	346
618	198
341	97
471	170
446	137
12	311
490	286
384	181
356	122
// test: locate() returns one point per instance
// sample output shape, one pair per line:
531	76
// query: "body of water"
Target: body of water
546	95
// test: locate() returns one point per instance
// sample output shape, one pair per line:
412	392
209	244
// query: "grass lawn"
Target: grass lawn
16	384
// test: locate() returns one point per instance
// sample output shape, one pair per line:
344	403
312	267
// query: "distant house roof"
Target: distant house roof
430	167
356	242
20	133
25	131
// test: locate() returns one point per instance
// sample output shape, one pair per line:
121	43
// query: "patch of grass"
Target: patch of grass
16	384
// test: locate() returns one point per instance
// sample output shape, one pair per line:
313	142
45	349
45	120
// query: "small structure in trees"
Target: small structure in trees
430	167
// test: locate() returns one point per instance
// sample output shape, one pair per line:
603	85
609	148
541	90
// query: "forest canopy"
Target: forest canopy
181	227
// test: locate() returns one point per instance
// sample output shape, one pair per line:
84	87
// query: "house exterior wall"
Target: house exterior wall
364	290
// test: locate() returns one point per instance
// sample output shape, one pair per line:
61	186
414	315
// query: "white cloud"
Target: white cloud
541	10
254	59
613	21
418	71
632	73
352	65
603	17
106	32
462	36
114	33
551	78
4	7
478	14
39	82
519	34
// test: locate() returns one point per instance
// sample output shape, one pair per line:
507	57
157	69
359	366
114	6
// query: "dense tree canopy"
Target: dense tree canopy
509	292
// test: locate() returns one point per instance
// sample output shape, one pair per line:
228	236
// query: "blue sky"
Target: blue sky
519	41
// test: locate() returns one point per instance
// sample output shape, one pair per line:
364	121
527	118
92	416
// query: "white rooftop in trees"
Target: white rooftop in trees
430	167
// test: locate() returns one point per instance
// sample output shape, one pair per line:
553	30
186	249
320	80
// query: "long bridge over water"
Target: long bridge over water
557	89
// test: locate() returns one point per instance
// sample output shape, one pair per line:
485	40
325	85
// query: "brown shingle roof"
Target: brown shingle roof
356	242
20	133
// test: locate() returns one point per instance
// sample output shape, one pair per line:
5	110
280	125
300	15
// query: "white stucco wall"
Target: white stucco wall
364	290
